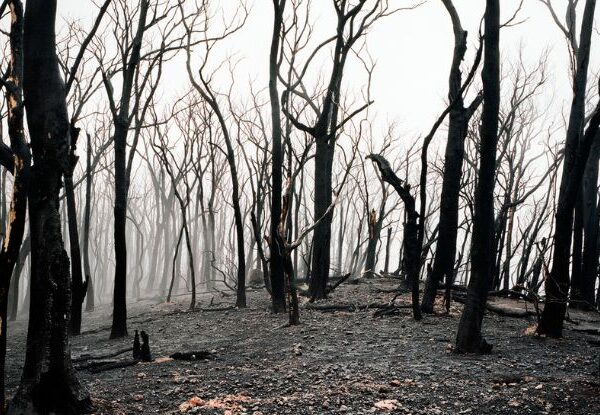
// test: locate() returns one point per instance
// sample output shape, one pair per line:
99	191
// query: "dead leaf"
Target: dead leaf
387	404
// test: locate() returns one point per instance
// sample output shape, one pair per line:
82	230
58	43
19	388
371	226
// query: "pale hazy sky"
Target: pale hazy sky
412	49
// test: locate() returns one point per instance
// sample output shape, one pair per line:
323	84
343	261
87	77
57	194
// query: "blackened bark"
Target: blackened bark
122	121
577	249
119	322
49	382
15	227
576	154
469	338
321	243
87	216
13	302
412	250
445	254
276	258
387	251
78	287
583	296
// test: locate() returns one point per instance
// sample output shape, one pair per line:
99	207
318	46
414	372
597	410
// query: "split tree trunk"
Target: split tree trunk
412	251
21	161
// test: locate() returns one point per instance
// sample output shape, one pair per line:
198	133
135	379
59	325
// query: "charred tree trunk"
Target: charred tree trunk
119	321
49	382
321	243
586	298
387	251
87	215
122	122
445	254
576	154
78	286
577	249
276	258
19	165
469	338
412	251
13	302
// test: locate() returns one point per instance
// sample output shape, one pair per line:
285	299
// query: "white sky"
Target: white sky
412	49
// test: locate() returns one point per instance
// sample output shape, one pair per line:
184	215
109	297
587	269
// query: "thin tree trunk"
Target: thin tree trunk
87	215
78	287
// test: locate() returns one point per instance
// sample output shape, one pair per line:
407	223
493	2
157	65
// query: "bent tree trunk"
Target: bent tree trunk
412	251
469	338
49	382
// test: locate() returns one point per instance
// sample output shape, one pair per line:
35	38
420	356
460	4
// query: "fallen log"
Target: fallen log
86	357
345	307
502	310
588	330
509	311
101	366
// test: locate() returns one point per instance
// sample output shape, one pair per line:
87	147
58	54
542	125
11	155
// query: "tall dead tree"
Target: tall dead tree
197	24
138	64
445	254
469	338
79	286
575	158
49	382
353	20
276	256
122	121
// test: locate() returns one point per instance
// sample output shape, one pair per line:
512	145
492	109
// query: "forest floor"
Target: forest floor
343	362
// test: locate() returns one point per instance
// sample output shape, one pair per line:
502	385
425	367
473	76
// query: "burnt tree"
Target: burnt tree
16	159
276	258
469	338
49	382
459	117
412	252
576	154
